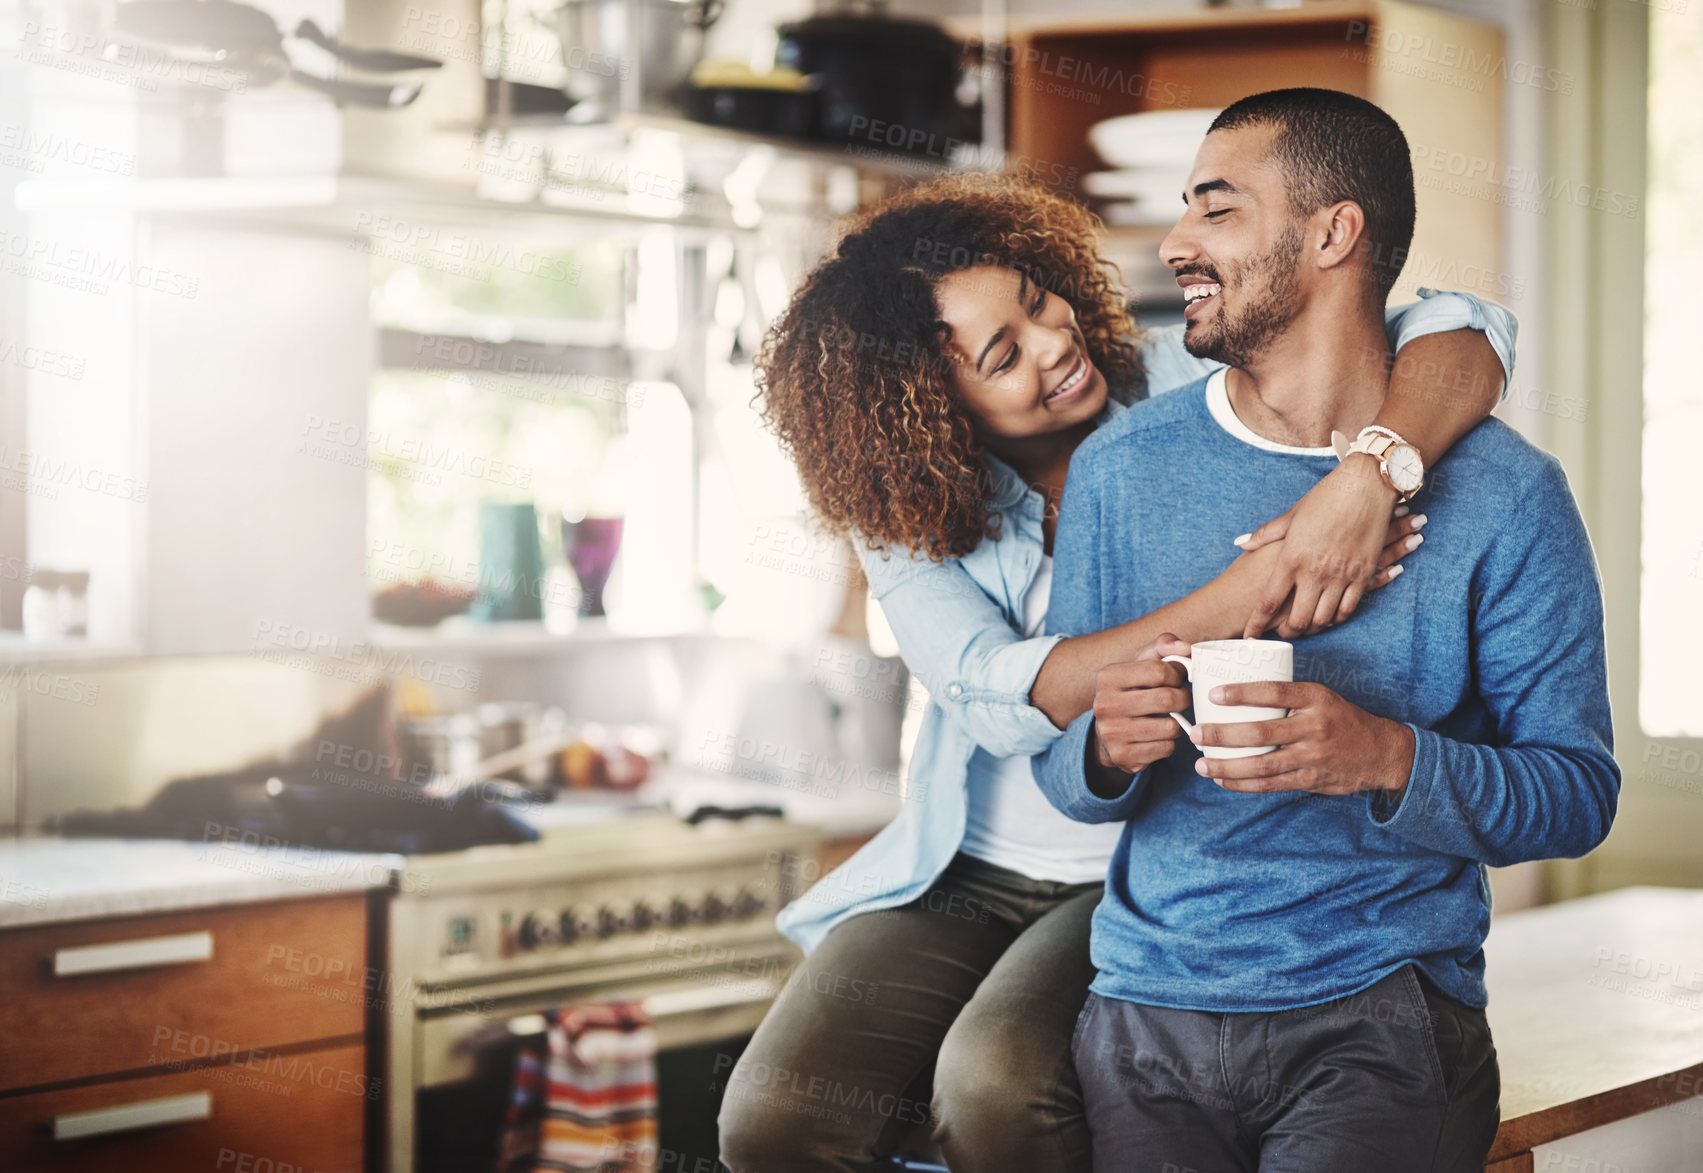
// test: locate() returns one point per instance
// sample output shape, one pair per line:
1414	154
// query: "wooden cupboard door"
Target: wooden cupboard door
122	995
296	1113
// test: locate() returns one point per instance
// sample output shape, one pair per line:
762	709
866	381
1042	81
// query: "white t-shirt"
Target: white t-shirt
1011	823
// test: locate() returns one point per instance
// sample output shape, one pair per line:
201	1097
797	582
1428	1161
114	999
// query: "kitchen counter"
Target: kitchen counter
51	880
1594	1005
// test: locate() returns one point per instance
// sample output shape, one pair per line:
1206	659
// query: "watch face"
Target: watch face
1407	470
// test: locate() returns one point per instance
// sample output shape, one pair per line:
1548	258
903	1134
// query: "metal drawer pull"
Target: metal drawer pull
141	954
130	1117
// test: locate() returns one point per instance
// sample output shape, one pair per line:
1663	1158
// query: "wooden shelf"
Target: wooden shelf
1183	20
797	150
1439	74
327	201
460	635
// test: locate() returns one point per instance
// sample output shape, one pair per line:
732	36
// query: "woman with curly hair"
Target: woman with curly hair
931	379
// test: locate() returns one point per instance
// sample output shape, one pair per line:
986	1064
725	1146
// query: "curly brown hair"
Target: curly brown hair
855	378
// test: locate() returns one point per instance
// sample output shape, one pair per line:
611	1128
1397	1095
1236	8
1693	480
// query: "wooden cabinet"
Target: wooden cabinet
1441	76
164	1042
277	1112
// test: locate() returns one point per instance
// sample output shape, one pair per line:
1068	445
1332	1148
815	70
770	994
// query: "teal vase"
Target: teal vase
511	564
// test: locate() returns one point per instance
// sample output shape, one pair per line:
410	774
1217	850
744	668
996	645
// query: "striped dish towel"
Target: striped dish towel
598	1094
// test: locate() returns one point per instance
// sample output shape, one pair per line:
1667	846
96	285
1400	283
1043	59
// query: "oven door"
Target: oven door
466	1043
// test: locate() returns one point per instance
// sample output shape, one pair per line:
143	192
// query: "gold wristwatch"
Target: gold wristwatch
1399	462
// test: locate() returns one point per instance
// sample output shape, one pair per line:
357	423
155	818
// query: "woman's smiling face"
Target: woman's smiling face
1019	358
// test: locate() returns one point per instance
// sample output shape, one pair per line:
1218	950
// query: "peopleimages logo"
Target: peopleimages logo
1028	64
1475	169
17	678
40	359
28	149
87	270
1452	55
350	442
524	54
382	230
46	472
974	158
137	66
283	642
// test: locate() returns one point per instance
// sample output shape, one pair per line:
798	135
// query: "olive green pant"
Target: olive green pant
974	986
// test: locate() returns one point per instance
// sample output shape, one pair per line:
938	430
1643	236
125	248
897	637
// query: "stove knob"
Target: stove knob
611	919
540	930
575	925
680	913
748	904
717	906
645	916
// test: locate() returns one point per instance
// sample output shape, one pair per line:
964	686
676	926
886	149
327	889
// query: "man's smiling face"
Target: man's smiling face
1237	248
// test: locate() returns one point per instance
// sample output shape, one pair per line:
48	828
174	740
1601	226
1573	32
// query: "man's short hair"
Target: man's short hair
1331	147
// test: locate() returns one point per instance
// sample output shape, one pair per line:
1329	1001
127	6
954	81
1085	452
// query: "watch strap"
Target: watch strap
1375	441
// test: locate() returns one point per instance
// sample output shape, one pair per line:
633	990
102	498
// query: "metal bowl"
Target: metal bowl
630	56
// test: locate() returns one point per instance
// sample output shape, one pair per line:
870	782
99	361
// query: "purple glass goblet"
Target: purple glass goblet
592	544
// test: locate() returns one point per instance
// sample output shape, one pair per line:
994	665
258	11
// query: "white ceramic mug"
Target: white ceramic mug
1233	661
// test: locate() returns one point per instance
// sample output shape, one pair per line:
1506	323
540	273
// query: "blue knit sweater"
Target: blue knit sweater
1490	647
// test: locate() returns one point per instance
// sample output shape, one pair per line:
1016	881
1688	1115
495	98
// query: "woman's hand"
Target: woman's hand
1278	560
1067	684
1315	557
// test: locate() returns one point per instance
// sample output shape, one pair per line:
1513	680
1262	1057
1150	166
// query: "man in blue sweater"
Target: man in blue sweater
1289	949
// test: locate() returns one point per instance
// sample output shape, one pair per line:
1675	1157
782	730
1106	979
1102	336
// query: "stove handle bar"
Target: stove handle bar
676	1003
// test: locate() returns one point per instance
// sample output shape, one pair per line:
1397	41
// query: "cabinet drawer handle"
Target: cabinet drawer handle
130	1117
141	954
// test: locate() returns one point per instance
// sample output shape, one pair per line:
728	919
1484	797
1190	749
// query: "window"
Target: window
501	380
1672	579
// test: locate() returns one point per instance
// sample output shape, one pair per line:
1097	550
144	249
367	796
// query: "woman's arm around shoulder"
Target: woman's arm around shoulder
1453	356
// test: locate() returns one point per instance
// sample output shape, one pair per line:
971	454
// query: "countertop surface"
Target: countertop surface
1596	1006
50	880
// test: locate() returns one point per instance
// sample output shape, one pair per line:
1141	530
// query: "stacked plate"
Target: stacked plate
1150	155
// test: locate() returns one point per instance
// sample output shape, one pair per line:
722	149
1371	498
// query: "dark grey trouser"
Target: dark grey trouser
978	981
1398	1078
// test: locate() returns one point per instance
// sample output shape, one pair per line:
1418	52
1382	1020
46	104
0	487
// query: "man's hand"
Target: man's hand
1325	745
1131	703
1331	542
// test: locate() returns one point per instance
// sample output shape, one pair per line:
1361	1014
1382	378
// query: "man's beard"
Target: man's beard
1269	289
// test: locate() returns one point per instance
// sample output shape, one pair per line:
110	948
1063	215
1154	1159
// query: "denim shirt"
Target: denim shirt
958	623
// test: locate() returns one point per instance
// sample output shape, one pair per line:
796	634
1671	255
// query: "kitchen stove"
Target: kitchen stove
609	904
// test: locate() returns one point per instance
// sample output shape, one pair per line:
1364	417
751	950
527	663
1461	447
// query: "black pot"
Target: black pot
884	83
762	109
